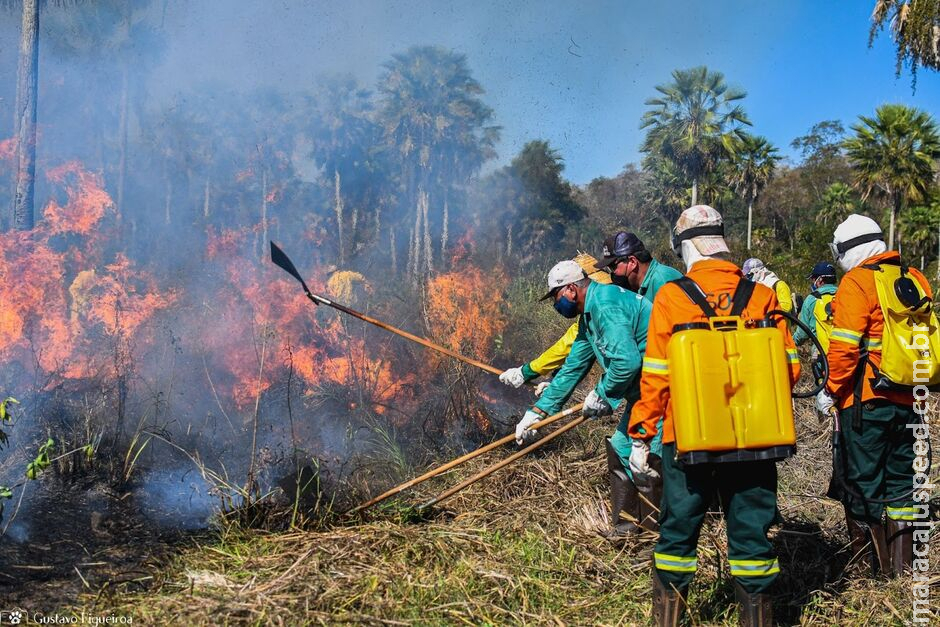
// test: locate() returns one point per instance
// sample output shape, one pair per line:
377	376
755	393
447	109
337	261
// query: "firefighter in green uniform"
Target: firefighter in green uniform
612	331
631	266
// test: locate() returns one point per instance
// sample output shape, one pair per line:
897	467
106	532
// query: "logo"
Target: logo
16	617
606	251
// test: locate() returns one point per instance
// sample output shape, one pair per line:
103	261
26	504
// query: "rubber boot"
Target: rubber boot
879	542
869	543
668	603
900	545
623	495
756	608
651	498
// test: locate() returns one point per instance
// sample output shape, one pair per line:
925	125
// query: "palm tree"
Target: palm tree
917	228
894	153
695	123
756	160
915	27
837	202
436	129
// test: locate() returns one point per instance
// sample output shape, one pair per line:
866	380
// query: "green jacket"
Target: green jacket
612	331
806	314
657	275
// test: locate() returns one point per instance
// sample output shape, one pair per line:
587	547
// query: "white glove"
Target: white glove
513	377
522	429
643	474
824	402
541	387
595	406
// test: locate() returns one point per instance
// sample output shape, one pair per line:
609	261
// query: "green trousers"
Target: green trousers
748	492
878	458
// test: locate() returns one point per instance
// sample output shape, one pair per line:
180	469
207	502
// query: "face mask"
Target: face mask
619	281
567	308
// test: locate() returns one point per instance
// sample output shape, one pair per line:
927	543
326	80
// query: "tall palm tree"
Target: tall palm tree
755	163
894	153
436	128
915	27
695	122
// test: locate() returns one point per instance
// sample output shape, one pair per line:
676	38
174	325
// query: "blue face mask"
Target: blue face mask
567	308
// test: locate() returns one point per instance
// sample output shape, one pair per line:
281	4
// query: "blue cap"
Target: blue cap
823	268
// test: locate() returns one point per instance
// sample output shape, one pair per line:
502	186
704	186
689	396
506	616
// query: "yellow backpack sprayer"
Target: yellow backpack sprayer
729	384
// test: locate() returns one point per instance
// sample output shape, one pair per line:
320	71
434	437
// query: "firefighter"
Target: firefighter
612	331
822	282
631	266
747	489
816	314
625	263
755	270
875	417
554	356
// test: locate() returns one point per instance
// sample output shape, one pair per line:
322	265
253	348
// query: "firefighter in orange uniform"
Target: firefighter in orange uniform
875	415
748	489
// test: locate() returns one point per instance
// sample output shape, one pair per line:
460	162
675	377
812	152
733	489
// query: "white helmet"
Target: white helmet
856	239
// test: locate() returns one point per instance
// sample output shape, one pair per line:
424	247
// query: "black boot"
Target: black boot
651	497
623	495
756	608
668	603
900	538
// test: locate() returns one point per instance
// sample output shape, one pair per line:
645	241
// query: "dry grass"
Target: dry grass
524	546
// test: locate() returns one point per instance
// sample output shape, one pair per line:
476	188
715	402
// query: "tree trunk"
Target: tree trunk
425	201
205	199
264	213
122	143
509	242
750	217
416	245
895	210
24	122
446	218
168	199
694	191
338	206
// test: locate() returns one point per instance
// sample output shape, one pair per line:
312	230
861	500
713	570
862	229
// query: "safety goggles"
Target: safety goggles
698	231
841	248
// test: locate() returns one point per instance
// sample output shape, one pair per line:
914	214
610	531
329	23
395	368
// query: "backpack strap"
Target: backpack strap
816	294
694	292
742	294
740	299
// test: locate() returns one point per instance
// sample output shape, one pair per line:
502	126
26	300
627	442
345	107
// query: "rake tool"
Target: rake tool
465	458
282	261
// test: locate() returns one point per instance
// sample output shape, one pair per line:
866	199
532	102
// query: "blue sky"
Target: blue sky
576	74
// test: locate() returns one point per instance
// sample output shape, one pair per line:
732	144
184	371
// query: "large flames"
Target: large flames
65	313
74	307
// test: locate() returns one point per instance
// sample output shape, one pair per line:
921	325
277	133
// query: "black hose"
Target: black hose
822	353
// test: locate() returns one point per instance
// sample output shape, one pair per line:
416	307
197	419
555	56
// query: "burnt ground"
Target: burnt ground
74	538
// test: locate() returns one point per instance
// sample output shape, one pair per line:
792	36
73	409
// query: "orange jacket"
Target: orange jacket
857	321
718	279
